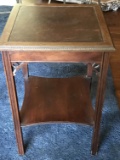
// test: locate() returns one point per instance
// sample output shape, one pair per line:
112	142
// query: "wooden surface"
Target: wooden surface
113	22
99	101
54	100
19	44
61	25
56	27
13	100
53	56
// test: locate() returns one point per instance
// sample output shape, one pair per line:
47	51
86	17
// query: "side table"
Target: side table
56	33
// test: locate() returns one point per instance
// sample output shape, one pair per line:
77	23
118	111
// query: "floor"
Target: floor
113	22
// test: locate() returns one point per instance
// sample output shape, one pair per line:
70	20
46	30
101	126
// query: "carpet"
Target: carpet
58	141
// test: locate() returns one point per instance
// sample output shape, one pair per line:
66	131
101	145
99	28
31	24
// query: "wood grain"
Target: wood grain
57	100
67	27
13	101
113	22
99	101
56	33
58	56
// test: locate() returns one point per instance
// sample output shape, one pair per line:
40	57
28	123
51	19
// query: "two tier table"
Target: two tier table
57	34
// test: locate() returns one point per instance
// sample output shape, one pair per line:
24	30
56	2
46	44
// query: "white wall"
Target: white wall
8	2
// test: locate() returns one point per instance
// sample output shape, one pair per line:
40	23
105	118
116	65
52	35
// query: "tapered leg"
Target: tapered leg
13	100
99	101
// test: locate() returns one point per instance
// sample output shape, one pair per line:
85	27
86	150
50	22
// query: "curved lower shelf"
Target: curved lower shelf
50	100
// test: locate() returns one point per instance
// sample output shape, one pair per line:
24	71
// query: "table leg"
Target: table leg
99	101
13	100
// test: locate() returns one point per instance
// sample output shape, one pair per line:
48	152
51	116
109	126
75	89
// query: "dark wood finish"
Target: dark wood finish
99	101
99	40
56	33
13	100
67	26
54	100
58	56
113	22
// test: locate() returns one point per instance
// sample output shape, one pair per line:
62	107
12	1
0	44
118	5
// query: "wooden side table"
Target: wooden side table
56	33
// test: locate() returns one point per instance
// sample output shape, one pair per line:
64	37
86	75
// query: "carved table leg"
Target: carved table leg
13	100
99	101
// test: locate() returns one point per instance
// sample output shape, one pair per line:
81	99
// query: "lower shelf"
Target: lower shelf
50	100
